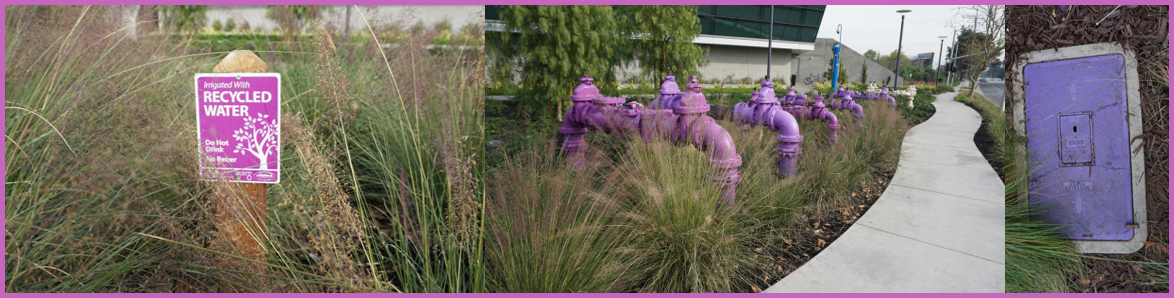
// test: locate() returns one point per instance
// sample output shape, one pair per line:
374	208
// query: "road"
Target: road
993	91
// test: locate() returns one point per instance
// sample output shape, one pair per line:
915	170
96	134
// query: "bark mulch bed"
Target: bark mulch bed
1145	29
778	259
986	145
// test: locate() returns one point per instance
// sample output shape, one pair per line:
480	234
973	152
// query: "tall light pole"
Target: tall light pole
953	52
836	60
936	71
769	41
901	38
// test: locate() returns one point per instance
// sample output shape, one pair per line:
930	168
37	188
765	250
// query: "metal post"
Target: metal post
937	72
953	52
898	58
770	41
348	23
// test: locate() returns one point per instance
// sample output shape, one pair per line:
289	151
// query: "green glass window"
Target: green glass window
791	22
808	34
812	18
795	16
793	33
491	12
706	24
706	9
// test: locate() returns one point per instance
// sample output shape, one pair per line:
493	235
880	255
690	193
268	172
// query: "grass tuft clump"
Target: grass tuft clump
101	181
994	127
647	217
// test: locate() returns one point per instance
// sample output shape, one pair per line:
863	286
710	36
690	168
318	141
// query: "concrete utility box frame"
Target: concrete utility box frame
1080	110
239	126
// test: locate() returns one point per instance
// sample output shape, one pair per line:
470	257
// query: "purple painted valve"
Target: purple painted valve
819	111
841	93
795	104
847	103
885	95
764	109
679	116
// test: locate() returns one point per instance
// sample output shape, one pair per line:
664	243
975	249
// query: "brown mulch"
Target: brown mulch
986	145
1145	29
780	258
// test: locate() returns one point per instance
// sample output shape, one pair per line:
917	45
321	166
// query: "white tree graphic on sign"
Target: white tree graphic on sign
260	141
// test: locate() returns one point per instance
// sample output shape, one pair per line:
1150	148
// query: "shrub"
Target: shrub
922	106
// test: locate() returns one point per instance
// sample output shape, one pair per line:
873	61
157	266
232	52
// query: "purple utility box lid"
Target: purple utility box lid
1078	141
239	126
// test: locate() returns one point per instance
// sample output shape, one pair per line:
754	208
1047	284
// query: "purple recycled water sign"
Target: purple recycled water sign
238	117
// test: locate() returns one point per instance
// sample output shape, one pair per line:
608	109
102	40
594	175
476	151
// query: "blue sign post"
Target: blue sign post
836	59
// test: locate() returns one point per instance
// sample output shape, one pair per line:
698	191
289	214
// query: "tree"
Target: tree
871	55
292	18
864	72
987	40
185	17
917	73
843	71
549	47
968	44
995	70
148	18
887	60
662	39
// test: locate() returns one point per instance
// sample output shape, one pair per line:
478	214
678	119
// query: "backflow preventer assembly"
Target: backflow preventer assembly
685	120
682	116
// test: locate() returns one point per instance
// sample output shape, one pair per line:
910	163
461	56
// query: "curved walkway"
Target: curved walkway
938	227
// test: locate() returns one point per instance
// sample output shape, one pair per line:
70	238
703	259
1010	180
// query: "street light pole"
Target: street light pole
953	52
769	41
900	39
938	72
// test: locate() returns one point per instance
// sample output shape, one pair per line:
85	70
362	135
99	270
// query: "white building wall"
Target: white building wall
733	62
746	62
458	15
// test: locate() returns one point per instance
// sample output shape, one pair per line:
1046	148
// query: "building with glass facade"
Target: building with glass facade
736	36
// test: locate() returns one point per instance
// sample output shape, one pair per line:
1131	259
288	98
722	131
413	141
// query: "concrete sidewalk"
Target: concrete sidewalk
938	227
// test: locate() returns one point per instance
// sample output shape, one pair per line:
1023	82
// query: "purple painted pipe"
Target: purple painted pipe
857	110
573	144
765	109
841	93
670	95
697	128
686	121
819	111
871	96
795	104
885	95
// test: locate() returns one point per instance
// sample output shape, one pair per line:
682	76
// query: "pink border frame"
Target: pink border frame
537	2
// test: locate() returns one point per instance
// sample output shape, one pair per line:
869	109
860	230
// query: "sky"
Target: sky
877	27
